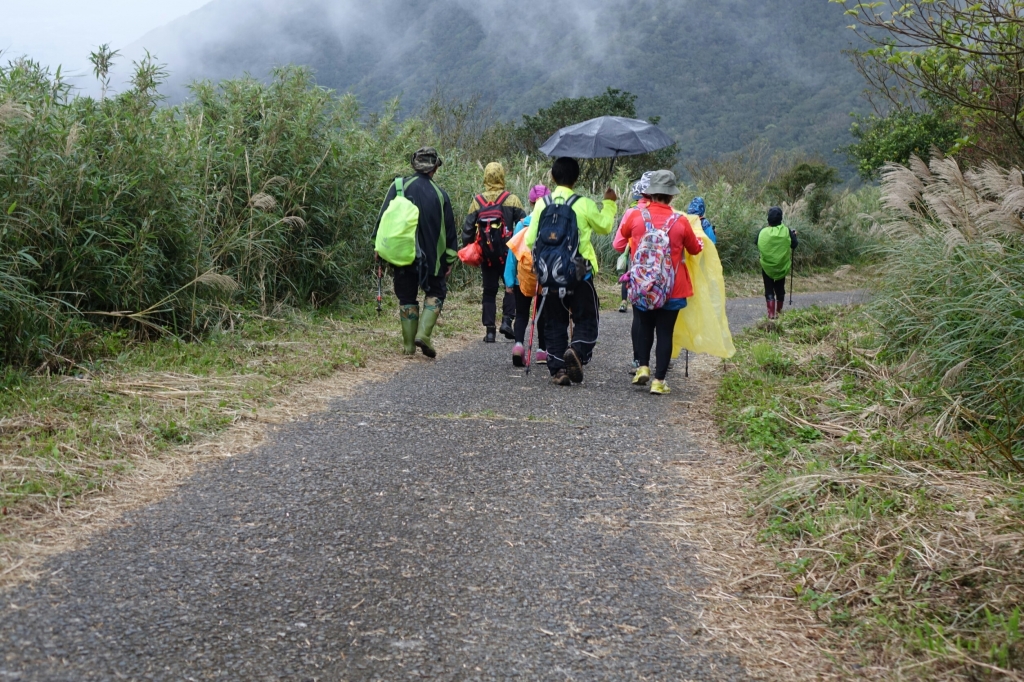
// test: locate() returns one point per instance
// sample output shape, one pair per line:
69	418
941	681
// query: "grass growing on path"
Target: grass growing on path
886	524
67	438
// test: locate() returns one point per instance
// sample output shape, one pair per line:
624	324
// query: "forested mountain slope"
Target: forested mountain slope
719	73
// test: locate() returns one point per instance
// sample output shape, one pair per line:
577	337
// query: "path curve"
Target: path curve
459	521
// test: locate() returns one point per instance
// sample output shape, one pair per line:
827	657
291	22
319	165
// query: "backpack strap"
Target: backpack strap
500	201
399	187
482	203
648	220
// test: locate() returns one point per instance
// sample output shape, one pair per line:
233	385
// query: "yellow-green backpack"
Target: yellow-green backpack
396	235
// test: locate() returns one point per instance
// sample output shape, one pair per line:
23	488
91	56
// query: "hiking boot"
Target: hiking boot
660	387
489	336
560	378
428	318
410	316
643	375
517	355
573	366
771	310
624	307
506	328
542	357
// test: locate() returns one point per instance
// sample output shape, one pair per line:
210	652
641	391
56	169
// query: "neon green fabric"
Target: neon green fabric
589	219
396	236
776	249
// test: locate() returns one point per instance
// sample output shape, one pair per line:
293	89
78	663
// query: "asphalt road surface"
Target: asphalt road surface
458	521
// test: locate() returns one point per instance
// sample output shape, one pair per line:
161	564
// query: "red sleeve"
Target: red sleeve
692	244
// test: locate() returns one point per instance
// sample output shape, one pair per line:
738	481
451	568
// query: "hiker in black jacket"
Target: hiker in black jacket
436	247
492	222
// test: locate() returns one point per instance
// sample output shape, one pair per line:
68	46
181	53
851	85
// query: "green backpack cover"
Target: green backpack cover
776	249
396	236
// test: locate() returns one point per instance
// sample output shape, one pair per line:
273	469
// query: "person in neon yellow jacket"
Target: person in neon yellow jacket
776	244
565	358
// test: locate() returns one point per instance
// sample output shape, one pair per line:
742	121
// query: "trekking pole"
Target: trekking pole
380	290
792	284
533	326
687	364
538	309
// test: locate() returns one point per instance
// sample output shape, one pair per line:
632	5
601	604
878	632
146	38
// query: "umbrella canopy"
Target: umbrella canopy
607	137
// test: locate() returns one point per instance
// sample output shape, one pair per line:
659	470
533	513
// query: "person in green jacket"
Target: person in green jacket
776	244
565	358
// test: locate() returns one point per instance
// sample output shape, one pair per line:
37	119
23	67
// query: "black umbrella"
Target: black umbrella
607	137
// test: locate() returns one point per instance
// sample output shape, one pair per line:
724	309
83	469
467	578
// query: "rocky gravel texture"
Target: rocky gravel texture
460	521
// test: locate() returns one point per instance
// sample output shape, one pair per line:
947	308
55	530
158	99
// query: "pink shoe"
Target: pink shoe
542	357
517	355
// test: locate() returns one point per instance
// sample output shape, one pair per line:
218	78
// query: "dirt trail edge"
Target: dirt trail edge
457	521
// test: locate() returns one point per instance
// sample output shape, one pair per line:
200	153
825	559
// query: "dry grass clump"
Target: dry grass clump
886	527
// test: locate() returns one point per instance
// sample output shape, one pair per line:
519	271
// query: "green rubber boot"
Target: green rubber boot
410	315
431	311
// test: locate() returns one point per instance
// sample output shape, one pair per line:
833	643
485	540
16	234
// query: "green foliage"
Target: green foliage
962	59
897	137
959	313
125	214
842	234
856	484
793	184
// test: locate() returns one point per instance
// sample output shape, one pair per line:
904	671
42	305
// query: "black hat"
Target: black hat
774	216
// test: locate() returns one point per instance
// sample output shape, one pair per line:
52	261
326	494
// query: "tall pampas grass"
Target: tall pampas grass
953	296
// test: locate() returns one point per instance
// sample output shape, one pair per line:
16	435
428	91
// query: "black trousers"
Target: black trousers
774	289
582	308
490	276
655	323
407	285
524	312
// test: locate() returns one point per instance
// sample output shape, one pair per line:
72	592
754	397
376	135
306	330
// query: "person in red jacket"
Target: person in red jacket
661	323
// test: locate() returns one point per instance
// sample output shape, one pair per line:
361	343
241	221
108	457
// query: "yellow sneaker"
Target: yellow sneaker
642	376
660	388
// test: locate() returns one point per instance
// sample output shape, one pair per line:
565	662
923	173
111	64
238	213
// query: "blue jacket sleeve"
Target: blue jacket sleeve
511	264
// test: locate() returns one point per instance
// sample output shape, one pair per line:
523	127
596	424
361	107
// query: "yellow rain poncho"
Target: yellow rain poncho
702	326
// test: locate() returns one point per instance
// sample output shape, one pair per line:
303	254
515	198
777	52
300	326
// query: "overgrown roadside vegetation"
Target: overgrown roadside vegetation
889	525
884	447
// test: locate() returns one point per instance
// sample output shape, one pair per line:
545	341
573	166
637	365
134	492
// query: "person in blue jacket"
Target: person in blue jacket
524	302
698	208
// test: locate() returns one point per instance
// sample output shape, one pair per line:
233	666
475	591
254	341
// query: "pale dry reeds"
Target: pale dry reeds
938	199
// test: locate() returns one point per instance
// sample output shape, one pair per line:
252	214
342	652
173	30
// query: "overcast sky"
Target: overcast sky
66	31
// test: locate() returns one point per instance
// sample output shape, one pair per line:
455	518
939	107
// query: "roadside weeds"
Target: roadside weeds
848	532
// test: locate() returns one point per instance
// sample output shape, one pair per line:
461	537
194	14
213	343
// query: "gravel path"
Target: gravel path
460	521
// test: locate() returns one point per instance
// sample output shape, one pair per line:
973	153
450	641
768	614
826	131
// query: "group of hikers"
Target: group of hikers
547	262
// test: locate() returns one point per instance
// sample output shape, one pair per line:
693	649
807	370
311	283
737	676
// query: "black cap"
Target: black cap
774	216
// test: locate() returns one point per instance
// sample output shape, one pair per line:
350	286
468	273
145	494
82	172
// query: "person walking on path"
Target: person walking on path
776	244
524	302
436	244
566	359
649	231
699	208
639	189
641	200
490	222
